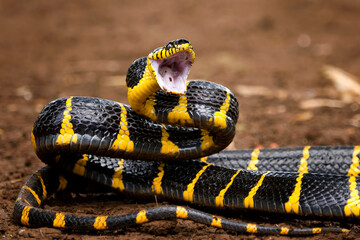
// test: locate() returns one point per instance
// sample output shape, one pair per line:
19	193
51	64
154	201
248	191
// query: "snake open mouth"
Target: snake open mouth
172	72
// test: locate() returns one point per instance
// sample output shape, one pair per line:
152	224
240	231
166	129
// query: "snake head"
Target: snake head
171	64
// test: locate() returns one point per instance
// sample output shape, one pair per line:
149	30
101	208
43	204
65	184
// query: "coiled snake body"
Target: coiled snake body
182	126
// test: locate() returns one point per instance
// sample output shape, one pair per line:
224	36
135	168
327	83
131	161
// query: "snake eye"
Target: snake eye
169	45
182	41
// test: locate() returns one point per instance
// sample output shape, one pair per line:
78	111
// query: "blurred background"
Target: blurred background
294	66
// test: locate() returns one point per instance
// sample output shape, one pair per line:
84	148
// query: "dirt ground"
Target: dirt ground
52	49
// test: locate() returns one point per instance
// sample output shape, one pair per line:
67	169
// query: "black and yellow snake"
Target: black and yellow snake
182	125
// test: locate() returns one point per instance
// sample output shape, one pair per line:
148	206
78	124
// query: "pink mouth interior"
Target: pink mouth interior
172	72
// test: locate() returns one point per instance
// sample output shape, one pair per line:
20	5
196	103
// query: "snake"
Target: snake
170	143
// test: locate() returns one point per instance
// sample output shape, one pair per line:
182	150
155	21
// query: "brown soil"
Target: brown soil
52	49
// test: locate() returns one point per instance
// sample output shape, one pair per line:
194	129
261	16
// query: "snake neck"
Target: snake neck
140	96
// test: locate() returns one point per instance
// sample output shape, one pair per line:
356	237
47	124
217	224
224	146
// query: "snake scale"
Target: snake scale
169	143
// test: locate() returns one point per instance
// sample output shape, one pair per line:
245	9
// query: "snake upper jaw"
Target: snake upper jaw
172	72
